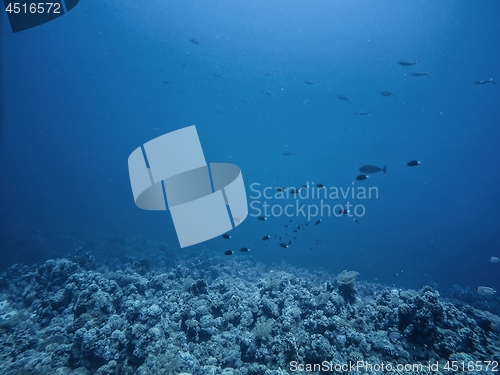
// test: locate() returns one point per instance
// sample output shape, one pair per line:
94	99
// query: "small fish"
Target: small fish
387	93
229	252
283	245
407	63
485	290
362	177
369	169
421	74
341	97
262	218
165	82
244	249
364	113
494	259
483	81
343	211
311	82
265	238
194	41
320	186
413	163
268	93
318	222
356	221
280	189
288	153
226	236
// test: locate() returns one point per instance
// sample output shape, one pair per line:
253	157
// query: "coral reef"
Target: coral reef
206	316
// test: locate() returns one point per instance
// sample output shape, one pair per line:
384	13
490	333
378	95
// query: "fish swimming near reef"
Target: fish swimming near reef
369	169
343	211
407	63
244	249
483	81
421	74
228	252
485	290
364	113
387	93
345	98
288	153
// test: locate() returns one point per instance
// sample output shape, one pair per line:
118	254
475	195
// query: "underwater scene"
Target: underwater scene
250	187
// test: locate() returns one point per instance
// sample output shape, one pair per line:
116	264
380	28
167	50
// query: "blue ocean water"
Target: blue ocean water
80	93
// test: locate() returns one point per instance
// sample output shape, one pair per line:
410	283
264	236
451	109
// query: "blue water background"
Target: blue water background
79	94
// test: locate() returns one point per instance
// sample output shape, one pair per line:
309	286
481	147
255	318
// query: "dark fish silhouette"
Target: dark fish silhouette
288	153
407	63
262	218
283	245
318	222
413	163
388	93
312	82
265	238
320	186
166	82
244	249
362	177
343	211
369	169
229	252
482	82
421	74
364	113
356	221
341	97
194	41
226	236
